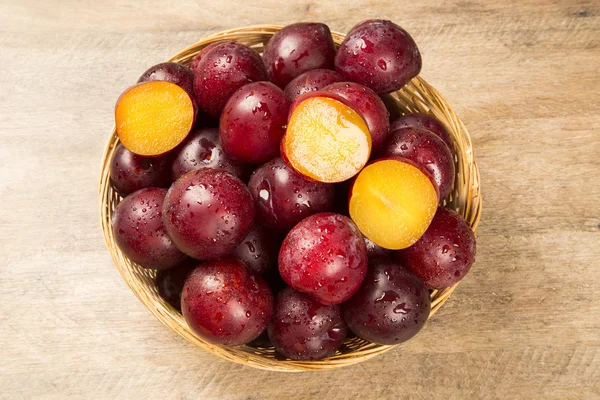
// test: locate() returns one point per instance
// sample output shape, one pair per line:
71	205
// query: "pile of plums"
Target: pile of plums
273	195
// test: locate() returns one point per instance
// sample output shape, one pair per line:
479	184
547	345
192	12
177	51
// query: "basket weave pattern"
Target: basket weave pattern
417	96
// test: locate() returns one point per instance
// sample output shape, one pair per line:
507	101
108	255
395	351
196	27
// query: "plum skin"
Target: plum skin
201	149
423	121
130	172
380	55
425	149
207	213
445	252
325	256
222	70
391	306
258	251
283	198
253	122
139	231
298	48
310	81
370	105
303	329
224	303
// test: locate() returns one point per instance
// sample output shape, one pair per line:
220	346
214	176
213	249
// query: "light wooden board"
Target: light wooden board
523	75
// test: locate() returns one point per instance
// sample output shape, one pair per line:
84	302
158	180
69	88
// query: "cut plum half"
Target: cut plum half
154	117
326	139
393	202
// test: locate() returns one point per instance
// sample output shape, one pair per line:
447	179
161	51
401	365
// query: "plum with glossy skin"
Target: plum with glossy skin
375	251
423	121
311	81
370	106
425	149
201	149
283	198
170	282
445	252
298	48
139	231
258	250
325	256
208	213
221	71
224	303
172	72
253	122
378	54
198	57
130	172
391	306
304	329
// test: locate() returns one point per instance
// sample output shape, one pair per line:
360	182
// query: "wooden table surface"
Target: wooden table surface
525	324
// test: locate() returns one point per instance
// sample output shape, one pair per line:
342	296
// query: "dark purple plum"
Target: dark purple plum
378	54
258	250
445	252
423	121
139	231
298	48
425	149
170	282
130	172
375	251
283	198
253	122
208	213
325	256
370	106
221	71
304	329
273	278
310	81
391	306
201	149
226	304
198	57
172	72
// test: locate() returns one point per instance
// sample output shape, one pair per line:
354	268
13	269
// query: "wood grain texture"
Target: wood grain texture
525	324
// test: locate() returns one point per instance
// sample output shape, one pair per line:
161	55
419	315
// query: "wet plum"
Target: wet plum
304	329
172	72
258	250
170	282
283	198
253	122
201	149
325	256
208	213
445	252
298	48
378	54
139	231
391	306
130	172
224	303
221	71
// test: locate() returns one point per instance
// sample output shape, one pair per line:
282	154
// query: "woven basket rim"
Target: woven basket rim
466	198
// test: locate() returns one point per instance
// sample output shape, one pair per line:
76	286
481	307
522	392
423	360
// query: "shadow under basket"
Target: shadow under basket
416	96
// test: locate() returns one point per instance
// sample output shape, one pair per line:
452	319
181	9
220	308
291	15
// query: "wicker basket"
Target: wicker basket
417	96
